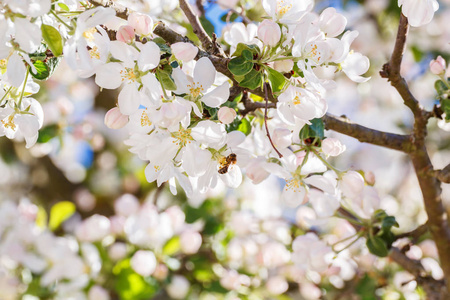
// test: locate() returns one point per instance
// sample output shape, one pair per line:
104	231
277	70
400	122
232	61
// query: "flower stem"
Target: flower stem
6	94
24	85
61	21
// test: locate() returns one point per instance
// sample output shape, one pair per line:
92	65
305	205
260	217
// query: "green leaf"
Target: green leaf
207	25
276	79
130	285
245	126
63	7
440	87
47	133
389	222
172	246
445	105
42	70
366	288
254	49
60	212
162	45
224	18
377	246
252	80
165	79
318	128
53	39
240	66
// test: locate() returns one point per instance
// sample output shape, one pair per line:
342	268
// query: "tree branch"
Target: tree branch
367	135
121	11
442	175
430	186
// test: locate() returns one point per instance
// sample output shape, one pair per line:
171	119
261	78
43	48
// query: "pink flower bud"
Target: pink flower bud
142	24
331	22
143	262
117	251
283	66
269	32
161	272
277	285
437	66
98	293
190	241
93	229
226	115
184	51
332	147
114	119
178	287
352	184
126	205
125	34
282	138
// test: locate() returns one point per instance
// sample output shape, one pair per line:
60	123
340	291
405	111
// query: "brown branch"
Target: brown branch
442	175
367	135
430	186
266	94
201	9
204	38
414	234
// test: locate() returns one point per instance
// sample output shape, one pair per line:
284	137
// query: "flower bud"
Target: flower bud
437	66
117	251
114	119
142	24
331	22
190	242
125	34
184	51
282	138
126	205
283	66
93	229
277	285
143	262
178	287
269	32
226	115
352	184
332	147
96	292
161	272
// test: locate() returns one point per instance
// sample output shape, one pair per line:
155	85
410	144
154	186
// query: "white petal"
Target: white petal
204	73
16	70
218	96
129	99
108	76
149	56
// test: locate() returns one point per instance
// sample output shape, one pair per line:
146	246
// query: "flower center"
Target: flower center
89	34
182	137
3	63
94	53
315	53
145	121
283	7
128	74
296	100
294	184
9	122
195	89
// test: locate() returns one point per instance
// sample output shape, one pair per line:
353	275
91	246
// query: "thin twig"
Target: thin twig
266	88
442	175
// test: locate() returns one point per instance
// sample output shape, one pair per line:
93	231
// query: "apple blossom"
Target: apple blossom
332	147
184	51
178	287
125	34
226	115
142	24
190	241
269	32
143	262
114	119
418	12
437	66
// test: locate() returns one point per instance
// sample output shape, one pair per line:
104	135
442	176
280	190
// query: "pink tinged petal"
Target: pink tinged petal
28	35
108	76
149	57
16	70
331	22
218	96
184	51
114	119
419	12
129	99
226	115
204	73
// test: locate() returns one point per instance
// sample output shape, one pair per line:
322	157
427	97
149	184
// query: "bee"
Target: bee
226	162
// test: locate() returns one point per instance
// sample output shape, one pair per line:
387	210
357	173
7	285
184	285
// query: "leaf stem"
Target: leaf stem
24	85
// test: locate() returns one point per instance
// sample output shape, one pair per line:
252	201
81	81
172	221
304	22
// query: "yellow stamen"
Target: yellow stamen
182	137
9	123
145	121
293	184
195	89
89	34
128	74
283	8
94	53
